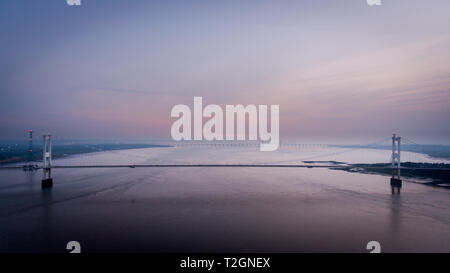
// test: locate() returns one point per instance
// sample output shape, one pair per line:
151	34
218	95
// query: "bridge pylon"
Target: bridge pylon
396	182
47	180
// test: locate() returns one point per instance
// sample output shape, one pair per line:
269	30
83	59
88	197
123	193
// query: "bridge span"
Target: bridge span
347	166
394	167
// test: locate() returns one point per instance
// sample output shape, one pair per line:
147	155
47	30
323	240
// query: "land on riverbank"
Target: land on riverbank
18	152
434	174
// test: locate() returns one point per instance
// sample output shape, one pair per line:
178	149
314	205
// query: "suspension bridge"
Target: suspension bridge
394	165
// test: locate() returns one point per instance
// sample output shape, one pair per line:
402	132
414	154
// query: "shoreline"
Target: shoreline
64	151
431	174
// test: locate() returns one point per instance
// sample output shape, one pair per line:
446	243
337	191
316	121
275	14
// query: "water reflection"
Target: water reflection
46	216
395	190
396	204
31	176
396	185
395	220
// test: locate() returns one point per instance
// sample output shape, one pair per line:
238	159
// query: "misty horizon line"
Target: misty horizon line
147	140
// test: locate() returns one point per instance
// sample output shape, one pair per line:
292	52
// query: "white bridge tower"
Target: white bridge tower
396	182
47	181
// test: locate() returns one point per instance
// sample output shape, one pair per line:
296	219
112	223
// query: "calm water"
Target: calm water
220	209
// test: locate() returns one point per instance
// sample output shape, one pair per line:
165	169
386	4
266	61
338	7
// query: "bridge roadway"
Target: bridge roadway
224	166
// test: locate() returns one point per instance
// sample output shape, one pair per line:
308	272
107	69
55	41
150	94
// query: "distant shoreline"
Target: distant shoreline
20	154
437	151
435	174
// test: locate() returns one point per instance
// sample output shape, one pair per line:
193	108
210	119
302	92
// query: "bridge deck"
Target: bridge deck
225	166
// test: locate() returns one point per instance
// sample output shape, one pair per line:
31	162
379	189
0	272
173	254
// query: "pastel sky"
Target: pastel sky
338	69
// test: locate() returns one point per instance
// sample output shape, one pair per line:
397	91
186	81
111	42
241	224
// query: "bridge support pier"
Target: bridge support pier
47	183
47	180
396	185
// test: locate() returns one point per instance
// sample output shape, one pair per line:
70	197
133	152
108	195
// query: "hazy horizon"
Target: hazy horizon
37	140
